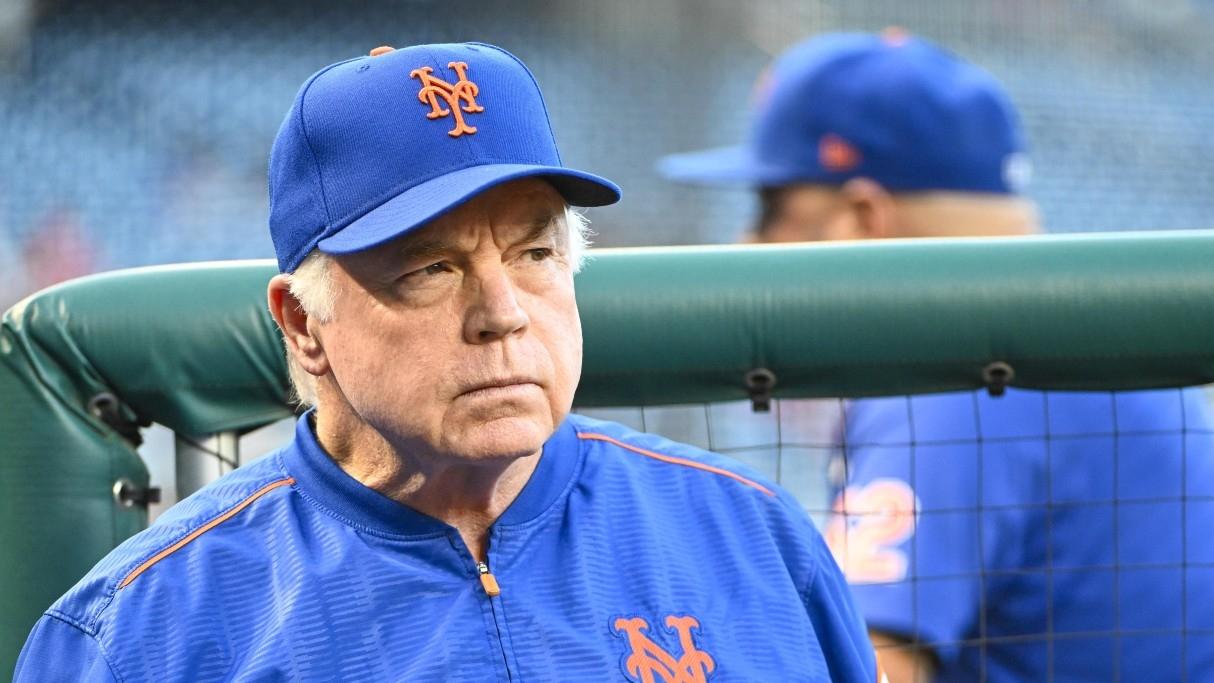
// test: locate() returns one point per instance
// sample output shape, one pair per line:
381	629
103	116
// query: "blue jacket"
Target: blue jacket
1040	536
625	557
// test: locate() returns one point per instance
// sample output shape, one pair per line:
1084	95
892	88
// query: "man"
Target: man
1030	537
440	515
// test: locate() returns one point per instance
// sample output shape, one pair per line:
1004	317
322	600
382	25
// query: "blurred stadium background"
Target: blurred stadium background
136	132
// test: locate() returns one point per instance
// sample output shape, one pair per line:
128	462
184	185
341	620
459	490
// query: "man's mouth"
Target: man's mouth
501	387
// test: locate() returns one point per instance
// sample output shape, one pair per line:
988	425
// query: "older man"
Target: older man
1030	537
440	515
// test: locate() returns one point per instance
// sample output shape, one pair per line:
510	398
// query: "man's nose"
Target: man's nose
494	312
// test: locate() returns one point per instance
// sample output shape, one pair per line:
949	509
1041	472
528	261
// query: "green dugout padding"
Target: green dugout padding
192	347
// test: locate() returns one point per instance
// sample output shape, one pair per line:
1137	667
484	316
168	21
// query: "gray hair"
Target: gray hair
312	285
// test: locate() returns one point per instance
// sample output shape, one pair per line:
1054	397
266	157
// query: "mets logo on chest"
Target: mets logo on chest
459	97
648	662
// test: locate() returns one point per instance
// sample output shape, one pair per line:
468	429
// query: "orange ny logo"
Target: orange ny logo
460	97
648	662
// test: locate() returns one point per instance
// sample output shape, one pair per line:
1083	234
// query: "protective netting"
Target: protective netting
136	132
1047	536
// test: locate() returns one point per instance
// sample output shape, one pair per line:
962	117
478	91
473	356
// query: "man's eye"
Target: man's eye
432	269
539	253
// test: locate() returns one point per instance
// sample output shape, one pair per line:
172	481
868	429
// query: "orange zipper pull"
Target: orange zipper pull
488	582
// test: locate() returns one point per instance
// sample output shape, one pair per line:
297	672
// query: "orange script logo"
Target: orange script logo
463	90
648	662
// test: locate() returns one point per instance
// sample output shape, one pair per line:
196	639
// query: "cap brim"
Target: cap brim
418	205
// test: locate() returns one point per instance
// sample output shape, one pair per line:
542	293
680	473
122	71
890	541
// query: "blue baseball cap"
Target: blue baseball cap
377	146
891	107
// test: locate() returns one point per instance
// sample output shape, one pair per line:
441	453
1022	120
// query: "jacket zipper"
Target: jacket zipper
488	581
492	589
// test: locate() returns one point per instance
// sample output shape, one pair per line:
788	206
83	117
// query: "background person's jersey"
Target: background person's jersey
1079	524
626	557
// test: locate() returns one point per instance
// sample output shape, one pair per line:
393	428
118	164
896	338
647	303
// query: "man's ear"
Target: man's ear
873	207
302	342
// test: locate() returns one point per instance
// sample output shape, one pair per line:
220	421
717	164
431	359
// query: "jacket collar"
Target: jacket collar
318	476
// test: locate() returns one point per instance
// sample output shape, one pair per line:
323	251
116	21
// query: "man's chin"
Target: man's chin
506	438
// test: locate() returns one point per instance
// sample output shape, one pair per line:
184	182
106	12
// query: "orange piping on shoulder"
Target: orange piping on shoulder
203	529
591	436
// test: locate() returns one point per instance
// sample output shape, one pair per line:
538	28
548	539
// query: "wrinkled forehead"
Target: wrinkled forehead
515	212
512	212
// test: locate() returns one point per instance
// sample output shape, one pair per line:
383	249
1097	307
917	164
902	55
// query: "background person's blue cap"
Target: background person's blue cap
893	108
377	146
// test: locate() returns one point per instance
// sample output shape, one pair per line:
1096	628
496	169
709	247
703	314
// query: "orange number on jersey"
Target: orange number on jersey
867	525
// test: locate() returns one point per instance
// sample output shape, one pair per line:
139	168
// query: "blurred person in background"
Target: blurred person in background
1028	537
58	249
12	273
440	514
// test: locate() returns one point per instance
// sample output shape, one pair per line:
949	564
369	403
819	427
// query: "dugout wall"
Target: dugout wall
83	365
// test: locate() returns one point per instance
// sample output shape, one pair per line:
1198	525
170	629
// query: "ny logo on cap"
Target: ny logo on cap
463	90
836	154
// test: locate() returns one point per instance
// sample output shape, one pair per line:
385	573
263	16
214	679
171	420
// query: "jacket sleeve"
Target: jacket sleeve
58	650
841	632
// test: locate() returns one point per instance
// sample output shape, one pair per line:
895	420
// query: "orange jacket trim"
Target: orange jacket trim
203	529
677	461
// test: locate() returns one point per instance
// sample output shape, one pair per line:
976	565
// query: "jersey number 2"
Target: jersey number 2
867	525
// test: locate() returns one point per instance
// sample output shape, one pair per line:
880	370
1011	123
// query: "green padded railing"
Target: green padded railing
193	348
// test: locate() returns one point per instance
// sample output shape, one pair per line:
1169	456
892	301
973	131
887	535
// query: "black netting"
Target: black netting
1050	536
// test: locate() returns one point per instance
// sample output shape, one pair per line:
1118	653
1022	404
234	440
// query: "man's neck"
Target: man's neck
468	495
960	214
